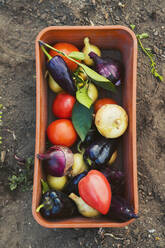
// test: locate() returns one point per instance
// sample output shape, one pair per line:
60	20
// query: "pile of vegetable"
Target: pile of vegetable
83	182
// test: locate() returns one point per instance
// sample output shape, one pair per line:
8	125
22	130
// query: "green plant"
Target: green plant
148	53
23	178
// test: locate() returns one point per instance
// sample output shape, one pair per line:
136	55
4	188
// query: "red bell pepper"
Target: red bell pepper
95	190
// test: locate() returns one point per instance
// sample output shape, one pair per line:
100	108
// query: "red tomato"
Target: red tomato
99	103
95	190
63	105
61	132
67	48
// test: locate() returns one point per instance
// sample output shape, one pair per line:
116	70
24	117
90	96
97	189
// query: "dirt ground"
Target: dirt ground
20	22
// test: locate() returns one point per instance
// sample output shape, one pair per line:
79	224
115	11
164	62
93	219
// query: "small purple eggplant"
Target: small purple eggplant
113	175
72	185
61	74
120	209
111	69
59	71
116	179
100	152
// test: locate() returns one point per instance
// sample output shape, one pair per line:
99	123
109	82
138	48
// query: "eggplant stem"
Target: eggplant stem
56	50
46	53
39	207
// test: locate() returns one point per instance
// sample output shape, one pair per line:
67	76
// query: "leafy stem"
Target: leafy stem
144	50
147	52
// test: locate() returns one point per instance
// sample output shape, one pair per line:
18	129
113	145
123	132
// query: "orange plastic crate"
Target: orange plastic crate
105	37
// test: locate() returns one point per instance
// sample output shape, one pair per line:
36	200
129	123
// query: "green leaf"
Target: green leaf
82	119
132	26
148	49
77	55
98	79
13	186
143	36
45	186
83	98
104	86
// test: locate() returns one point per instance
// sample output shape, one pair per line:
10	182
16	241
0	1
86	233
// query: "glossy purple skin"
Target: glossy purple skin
61	74
110	69
114	175
120	209
55	162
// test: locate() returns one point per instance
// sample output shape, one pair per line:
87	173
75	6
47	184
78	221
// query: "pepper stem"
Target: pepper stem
86	42
46	53
45	186
39	207
89	161
80	150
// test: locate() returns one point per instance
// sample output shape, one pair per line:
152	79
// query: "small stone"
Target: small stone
121	5
43	16
127	242
117	18
151	230
64	18
156	33
156	50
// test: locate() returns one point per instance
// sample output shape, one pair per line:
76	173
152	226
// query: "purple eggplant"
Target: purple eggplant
120	209
72	185
100	152
92	135
116	179
111	69
113	175
60	72
55	204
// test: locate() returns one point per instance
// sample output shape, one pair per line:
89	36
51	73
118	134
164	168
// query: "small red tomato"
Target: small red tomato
67	48
95	190
99	103
61	132
63	105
